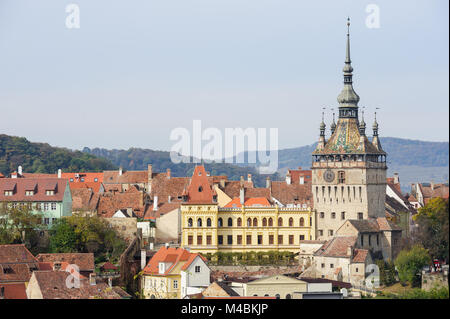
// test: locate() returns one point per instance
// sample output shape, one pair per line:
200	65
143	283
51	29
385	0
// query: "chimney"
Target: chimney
268	182
242	195
120	171
169	199
110	282
350	251
59	173
14	175
167	245
222	183
288	178
155	203
19	170
432	185
396	178
249	178
149	178
299	168
168	173
143	258
242	179
92	279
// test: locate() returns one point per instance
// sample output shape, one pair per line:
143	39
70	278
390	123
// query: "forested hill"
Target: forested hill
138	159
43	158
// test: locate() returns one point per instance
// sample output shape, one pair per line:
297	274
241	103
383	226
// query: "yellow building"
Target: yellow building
208	228
173	273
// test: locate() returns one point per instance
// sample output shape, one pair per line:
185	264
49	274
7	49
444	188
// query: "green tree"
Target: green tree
63	238
433	230
86	234
409	264
17	222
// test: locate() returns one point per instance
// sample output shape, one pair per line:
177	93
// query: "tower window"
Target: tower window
341	177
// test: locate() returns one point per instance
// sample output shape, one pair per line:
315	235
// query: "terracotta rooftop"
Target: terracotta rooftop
249	202
52	285
16	263
127	177
14	291
360	255
170	255
337	247
84	261
292	193
19	186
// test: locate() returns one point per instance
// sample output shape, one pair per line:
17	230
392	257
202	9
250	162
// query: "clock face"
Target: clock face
328	176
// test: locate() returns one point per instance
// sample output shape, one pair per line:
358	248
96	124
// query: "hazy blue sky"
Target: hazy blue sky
136	69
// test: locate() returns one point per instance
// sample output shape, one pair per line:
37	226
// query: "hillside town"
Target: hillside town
330	231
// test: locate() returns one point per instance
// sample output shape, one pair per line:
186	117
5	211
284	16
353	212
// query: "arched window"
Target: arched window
288	296
277	296
302	222
270	222
230	222
239	222
264	222
255	222
220	222
249	222
280	221
208	222
199	222
190	222
291	222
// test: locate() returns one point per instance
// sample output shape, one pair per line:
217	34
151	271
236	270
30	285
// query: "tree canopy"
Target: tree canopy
433	230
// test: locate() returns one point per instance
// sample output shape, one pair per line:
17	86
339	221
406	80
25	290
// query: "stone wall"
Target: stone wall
434	280
125	227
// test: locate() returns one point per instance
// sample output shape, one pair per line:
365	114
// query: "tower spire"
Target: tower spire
348	99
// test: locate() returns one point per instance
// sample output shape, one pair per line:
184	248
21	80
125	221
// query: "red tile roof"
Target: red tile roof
127	177
16	263
337	247
297	194
14	291
360	255
84	261
110	203
199	190
170	255
249	202
53	285
39	185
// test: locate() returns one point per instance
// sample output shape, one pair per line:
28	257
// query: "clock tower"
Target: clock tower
348	170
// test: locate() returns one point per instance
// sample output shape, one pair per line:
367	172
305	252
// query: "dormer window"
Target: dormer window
162	267
29	193
8	193
50	192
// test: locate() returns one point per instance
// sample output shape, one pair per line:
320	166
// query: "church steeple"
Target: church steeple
348	99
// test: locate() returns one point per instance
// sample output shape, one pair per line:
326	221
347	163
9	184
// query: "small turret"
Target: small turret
376	140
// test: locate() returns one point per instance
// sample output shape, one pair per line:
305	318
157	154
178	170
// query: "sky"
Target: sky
136	70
